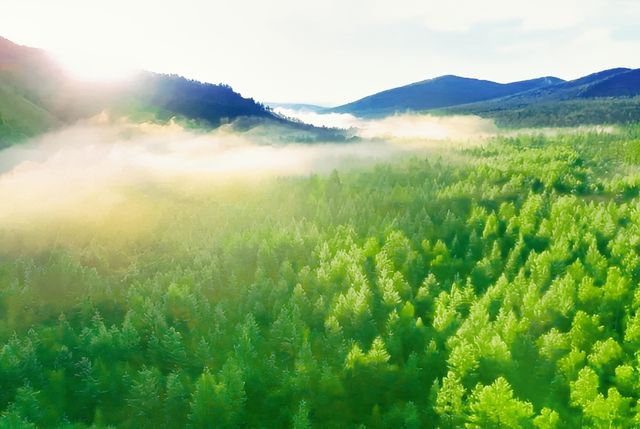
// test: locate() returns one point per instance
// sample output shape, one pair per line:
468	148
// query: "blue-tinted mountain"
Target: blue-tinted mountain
623	84
600	84
440	92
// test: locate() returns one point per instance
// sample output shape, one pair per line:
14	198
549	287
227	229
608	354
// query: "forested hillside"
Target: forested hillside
493	286
559	113
37	95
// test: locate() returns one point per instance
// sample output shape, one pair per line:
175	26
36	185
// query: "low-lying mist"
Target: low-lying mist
406	126
115	177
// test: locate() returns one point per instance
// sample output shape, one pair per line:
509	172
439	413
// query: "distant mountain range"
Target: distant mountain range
453	94
618	82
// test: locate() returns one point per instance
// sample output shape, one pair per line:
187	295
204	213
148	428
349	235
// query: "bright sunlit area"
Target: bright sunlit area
90	65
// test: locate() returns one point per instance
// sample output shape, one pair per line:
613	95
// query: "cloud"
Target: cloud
86	171
401	127
332	120
82	172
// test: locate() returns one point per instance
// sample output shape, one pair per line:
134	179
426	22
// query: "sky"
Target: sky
329	52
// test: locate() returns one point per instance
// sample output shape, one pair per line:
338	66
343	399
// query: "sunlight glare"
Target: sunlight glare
95	68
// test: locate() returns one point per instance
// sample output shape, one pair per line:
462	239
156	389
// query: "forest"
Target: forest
556	113
485	286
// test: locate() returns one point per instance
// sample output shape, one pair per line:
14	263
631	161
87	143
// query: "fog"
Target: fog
401	126
87	171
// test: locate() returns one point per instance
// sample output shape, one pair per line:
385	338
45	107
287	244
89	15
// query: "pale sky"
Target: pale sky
331	51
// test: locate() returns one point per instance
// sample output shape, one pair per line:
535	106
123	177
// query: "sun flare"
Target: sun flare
91	67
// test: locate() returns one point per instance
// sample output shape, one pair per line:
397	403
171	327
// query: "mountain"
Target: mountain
36	95
623	84
578	88
440	92
606	97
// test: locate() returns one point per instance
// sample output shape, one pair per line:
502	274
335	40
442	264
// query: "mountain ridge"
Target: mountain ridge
442	91
594	85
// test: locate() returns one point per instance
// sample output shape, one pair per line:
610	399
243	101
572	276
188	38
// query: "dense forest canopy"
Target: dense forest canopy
490	286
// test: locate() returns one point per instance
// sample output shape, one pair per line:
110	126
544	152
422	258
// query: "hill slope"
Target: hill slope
20	117
440	92
624	84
